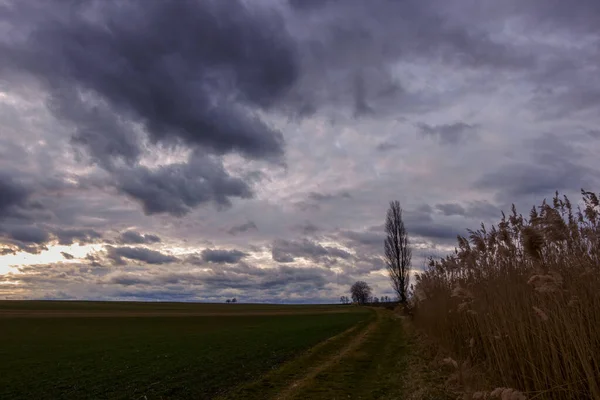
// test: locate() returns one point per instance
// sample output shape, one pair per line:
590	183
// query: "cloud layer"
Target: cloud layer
197	150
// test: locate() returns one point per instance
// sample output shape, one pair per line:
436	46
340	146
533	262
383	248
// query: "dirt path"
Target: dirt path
310	375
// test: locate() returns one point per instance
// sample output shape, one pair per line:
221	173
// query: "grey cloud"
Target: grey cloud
282	278
323	197
27	234
521	179
292	276
420	222
94	260
362	41
140	96
67	256
177	188
595	133
285	251
314	200
447	133
451	209
436	231
473	209
424	209
368	238
12	194
307	228
141	76
134	237
139	254
151	52
555	164
386	146
222	256
367	264
248	226
68	236
585	18
128	280
483	210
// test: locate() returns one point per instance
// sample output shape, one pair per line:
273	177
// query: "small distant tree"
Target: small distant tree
227	301
360	292
344	300
375	300
234	300
398	251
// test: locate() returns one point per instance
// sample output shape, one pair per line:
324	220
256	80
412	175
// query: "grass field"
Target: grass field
101	350
366	362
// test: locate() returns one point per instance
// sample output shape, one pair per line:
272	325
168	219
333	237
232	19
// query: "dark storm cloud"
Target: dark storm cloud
438	232
27	234
67	256
178	188
420	222
187	73
19	209
134	237
447	133
248	226
222	256
68	236
139	254
12	195
183	69
285	251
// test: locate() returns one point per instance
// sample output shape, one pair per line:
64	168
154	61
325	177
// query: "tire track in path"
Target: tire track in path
302	382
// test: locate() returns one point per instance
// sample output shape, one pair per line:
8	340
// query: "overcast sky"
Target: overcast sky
205	149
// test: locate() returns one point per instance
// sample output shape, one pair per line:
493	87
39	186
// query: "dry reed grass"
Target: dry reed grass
522	301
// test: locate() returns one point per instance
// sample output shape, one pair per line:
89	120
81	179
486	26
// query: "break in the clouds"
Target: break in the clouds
201	150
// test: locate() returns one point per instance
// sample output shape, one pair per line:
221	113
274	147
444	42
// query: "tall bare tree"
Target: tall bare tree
398	252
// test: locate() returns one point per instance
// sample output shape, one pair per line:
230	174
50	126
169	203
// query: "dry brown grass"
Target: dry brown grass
522	302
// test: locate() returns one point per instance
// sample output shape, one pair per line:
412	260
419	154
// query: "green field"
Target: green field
88	350
126	350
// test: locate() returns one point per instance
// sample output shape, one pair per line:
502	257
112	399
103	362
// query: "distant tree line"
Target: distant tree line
234	300
361	293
